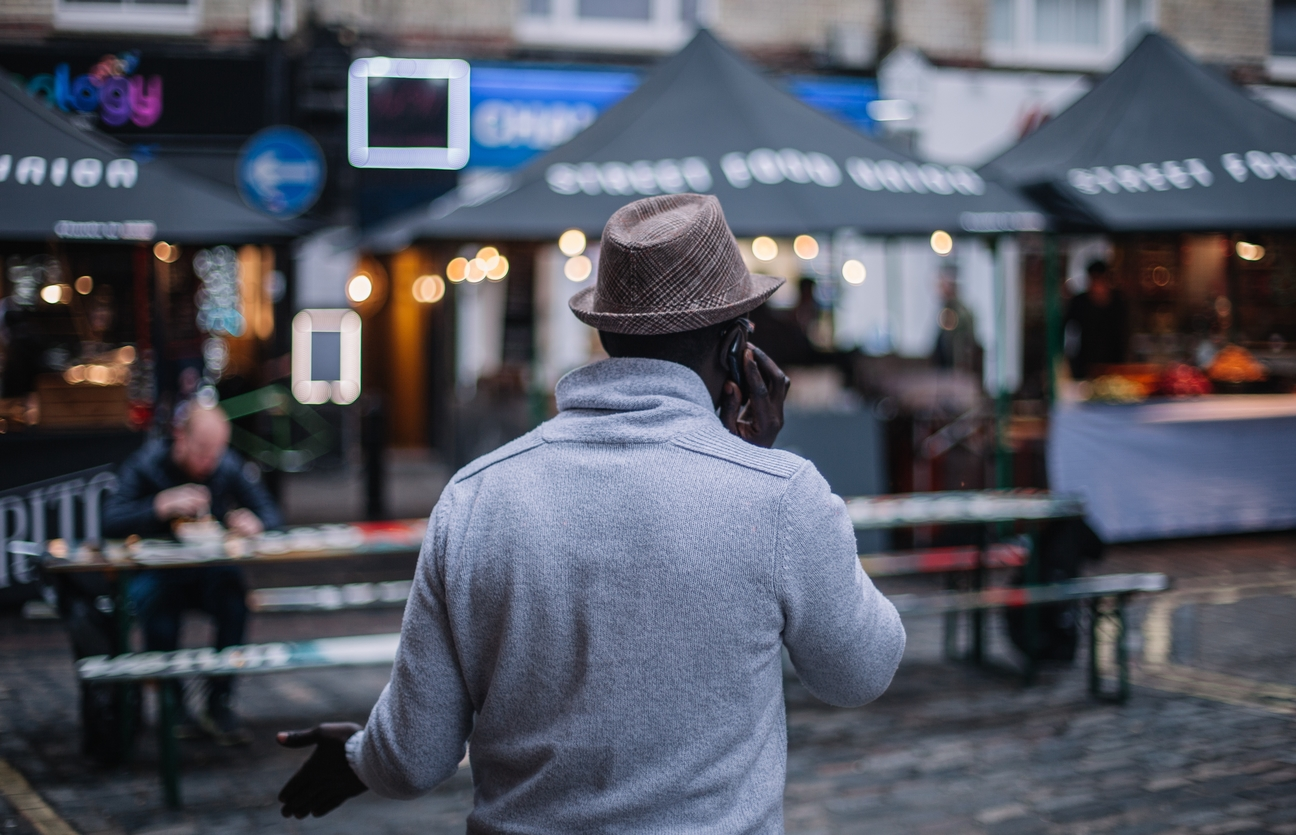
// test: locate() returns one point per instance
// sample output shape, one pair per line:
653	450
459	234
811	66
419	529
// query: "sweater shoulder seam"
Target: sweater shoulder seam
526	443
741	453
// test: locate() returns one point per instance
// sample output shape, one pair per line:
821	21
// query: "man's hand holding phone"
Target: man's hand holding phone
759	418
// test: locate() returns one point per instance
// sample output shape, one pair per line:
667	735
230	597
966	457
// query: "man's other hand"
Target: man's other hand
767	387
326	780
185	500
243	522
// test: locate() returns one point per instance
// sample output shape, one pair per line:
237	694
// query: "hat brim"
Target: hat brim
652	322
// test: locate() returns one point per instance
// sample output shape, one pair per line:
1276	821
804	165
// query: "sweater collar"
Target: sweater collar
628	400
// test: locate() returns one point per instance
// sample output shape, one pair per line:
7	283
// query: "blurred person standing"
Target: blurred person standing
189	476
956	342
600	607
1095	323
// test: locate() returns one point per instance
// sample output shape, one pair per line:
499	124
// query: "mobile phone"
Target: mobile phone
737	349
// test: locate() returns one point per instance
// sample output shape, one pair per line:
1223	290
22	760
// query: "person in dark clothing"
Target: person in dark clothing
191	475
1095	323
956	342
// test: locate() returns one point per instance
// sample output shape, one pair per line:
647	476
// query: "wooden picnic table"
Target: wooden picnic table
988	508
960	507
320	542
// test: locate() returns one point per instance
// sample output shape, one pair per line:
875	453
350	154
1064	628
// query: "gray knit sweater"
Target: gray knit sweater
599	609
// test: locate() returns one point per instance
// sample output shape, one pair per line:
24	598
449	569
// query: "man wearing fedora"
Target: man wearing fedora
600	606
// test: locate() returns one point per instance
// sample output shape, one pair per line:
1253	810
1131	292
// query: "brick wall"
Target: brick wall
952	30
1219	31
805	25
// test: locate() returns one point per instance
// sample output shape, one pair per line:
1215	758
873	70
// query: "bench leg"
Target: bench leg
1122	651
951	622
1095	681
168	751
1031	620
1116	617
128	694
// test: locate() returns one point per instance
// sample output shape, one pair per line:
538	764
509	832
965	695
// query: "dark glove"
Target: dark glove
326	780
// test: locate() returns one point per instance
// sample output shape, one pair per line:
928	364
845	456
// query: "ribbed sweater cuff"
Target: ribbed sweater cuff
353	754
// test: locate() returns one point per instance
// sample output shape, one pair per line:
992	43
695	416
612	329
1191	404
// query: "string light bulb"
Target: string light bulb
1249	251
806	247
359	288
457	270
571	243
578	268
429	289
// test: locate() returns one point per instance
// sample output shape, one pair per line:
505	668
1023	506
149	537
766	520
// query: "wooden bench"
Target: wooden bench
945	559
249	659
1116	588
330	598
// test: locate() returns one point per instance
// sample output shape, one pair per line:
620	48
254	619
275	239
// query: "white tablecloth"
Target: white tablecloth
1224	464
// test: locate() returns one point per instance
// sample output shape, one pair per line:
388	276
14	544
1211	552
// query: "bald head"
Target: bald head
201	439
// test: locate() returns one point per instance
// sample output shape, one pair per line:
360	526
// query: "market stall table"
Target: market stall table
1211	465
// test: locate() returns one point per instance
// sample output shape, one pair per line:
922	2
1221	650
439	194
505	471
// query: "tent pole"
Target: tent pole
1003	455
1052	316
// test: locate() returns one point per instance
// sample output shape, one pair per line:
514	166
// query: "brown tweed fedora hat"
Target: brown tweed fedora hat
669	264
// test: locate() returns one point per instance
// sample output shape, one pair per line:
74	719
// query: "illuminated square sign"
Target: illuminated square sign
408	113
326	356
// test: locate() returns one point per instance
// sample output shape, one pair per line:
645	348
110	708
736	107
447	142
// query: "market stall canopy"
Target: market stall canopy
707	121
58	180
1161	144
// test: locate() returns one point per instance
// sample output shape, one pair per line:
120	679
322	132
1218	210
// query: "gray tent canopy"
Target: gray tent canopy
59	181
1160	144
707	121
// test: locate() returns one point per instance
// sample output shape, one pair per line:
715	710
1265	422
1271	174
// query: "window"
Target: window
1070	34
646	25
1067	22
172	17
1284	27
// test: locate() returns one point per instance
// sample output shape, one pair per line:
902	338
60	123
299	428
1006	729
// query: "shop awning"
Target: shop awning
1161	144
707	121
60	181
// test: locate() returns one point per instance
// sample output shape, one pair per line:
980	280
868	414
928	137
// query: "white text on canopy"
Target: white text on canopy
1135	178
667	176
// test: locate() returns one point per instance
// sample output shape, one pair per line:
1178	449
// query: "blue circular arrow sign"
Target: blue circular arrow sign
280	172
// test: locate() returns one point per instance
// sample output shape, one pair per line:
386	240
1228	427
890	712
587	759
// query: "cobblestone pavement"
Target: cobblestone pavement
1206	745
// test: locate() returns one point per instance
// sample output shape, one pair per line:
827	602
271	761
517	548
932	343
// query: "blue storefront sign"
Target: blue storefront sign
280	172
846	98
519	112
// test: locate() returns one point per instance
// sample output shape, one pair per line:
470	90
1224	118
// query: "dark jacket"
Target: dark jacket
150	471
1102	332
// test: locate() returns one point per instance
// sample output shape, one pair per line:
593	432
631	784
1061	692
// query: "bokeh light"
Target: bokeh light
805	247
764	248
457	270
84	285
429	289
165	252
853	271
572	243
1249	251
476	270
578	268
941	242
499	269
359	288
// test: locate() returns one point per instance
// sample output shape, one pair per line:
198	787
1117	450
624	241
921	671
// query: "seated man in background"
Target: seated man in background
191	475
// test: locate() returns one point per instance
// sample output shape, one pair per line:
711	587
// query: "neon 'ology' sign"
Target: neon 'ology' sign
108	88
